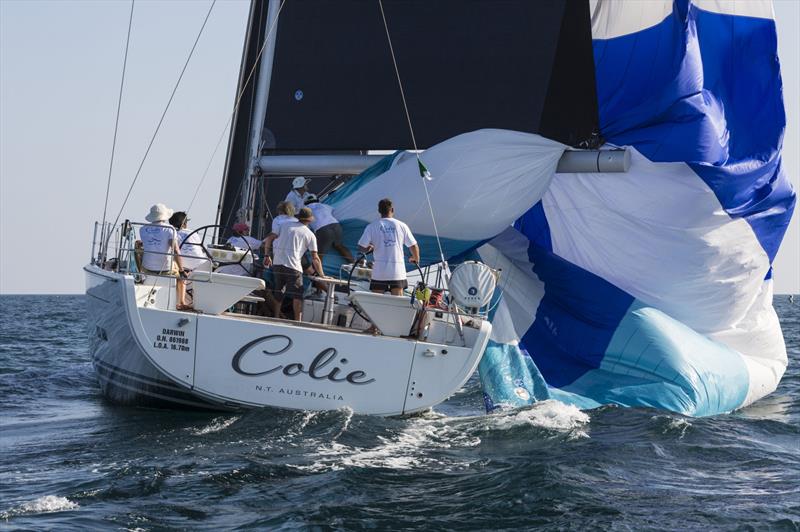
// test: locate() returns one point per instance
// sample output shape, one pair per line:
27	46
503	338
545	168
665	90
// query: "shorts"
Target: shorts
327	236
291	279
172	272
386	286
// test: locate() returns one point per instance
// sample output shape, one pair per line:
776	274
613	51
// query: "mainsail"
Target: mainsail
648	288
505	64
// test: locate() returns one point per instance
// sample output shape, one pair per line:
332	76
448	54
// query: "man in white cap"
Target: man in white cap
161	253
297	196
291	243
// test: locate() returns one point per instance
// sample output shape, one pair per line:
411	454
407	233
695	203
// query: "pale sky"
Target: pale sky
60	65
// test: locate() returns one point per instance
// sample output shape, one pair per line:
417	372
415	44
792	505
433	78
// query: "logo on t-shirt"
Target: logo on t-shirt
389	235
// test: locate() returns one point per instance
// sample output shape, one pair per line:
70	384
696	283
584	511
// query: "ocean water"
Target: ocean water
69	460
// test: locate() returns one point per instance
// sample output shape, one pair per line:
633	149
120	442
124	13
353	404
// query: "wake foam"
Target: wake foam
217	424
549	414
46	504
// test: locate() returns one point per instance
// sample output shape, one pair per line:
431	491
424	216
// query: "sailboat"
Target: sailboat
627	217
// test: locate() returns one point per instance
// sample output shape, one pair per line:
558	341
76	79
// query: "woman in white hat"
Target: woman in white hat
161	253
299	193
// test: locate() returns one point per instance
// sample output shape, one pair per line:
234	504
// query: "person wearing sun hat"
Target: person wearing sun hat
160	246
291	243
299	193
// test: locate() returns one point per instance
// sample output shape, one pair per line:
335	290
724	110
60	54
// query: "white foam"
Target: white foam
216	425
46	504
550	414
408	449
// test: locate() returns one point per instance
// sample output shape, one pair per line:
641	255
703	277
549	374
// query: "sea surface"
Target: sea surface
71	461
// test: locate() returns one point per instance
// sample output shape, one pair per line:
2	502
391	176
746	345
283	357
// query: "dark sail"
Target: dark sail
465	65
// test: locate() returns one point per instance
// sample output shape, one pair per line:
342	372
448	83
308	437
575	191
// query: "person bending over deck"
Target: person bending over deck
327	229
291	243
386	238
297	196
161	254
241	239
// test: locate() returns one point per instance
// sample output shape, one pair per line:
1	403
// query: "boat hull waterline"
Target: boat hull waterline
155	356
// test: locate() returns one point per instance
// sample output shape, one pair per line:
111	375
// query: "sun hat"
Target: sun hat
159	213
311	198
299	182
241	228
305	214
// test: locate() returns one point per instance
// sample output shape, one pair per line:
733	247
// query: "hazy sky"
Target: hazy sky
60	64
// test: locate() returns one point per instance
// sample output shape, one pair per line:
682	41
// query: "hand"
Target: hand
267	261
413	260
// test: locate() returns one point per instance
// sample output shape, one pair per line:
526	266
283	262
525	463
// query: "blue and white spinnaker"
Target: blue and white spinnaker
653	288
646	288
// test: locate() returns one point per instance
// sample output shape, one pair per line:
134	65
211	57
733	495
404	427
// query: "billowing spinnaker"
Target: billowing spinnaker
482	182
653	288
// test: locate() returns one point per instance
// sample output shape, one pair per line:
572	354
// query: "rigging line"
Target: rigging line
411	130
238	101
116	121
164	114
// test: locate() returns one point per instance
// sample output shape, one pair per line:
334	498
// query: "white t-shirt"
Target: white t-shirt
294	239
239	242
156	239
323	215
281	219
192	256
297	200
388	236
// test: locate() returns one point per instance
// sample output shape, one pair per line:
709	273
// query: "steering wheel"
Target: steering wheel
205	229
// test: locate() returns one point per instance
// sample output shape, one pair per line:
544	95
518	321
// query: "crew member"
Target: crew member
386	238
286	212
290	244
327	229
297	196
241	239
161	254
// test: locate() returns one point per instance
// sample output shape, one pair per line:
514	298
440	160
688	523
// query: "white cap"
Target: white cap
299	182
159	213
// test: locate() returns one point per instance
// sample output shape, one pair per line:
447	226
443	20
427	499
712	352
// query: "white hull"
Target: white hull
160	356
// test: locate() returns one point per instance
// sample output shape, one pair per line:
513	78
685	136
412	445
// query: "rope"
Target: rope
116	121
236	105
413	137
164	114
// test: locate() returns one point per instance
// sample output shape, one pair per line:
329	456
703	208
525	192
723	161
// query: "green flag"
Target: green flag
423	171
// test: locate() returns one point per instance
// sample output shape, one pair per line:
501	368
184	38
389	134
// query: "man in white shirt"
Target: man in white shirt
327	229
386	238
290	244
191	245
299	193
286	212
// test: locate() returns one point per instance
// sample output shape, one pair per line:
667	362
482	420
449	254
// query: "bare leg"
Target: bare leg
180	289
297	306
276	306
397	291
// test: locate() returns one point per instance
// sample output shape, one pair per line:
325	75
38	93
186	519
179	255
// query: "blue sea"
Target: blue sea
72	461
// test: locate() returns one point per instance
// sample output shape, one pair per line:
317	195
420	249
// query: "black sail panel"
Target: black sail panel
465	65
524	65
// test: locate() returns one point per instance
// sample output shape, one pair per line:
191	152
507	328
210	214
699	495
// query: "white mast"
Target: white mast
259	113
